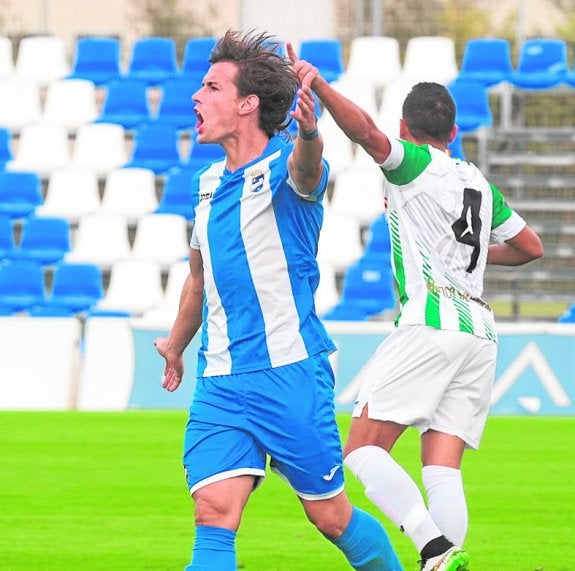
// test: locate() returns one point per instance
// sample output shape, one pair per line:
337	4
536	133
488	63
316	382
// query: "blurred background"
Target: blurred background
97	149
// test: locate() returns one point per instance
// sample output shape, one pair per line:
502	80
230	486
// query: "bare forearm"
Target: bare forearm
525	247
354	121
305	163
505	255
189	318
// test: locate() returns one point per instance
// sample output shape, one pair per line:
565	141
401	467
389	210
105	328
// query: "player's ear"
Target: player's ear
404	132
249	104
453	133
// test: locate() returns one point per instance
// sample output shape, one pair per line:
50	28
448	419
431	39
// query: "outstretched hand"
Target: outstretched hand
174	368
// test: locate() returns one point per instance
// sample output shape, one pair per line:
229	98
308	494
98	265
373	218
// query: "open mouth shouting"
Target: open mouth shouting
199	121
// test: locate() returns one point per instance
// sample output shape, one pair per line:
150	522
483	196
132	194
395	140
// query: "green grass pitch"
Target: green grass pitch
105	491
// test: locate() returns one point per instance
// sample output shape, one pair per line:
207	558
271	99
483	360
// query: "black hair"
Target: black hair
429	111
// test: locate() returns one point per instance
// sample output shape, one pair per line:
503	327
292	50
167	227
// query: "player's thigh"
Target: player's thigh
217	445
406	378
293	417
221	503
465	404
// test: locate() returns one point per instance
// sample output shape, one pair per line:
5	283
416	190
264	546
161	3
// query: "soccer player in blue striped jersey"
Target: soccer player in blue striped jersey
436	369
265	385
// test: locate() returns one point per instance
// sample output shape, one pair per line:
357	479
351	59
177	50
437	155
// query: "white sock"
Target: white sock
394	492
446	500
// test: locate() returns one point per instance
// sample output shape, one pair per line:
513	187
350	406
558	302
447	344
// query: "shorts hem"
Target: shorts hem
317	497
469	441
257	472
308	496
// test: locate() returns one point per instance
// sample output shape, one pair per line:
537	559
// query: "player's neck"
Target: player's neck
242	149
441	145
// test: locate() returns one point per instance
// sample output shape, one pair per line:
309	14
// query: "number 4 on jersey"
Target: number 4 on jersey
467	228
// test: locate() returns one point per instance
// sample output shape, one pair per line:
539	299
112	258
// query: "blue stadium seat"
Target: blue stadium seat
195	62
6	153
156	148
126	103
472	104
379	241
456	147
177	197
21	285
153	60
7	243
203	154
7	311
176	107
43	240
542	64
326	55
487	60
76	287
569	315
20	193
368	290
97	59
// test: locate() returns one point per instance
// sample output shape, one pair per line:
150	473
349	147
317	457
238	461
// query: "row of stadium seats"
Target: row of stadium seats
75	191
74	289
72	192
542	63
135	285
100	238
43	59
373	60
75	102
44	148
104	235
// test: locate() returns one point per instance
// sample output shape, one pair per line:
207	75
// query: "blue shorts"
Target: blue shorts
286	413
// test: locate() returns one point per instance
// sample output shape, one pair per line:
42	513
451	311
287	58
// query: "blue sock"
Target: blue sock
366	545
214	550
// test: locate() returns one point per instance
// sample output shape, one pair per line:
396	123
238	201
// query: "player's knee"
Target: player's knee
329	520
331	526
213	511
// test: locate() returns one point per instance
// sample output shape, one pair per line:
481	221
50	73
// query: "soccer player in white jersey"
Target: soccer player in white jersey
265	386
435	370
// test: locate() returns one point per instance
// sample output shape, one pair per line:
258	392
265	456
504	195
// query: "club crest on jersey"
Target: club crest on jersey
257	180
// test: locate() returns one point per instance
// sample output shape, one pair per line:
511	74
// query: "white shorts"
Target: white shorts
431	379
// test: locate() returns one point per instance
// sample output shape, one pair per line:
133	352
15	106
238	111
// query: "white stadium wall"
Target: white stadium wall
303	19
46	364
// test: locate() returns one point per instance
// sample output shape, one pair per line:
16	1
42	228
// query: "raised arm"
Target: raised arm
523	248
356	123
305	164
185	326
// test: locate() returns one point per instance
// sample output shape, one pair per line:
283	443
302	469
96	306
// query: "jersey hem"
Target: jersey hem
255	369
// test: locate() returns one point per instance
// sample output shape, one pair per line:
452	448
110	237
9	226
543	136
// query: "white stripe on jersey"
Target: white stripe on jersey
264	249
217	355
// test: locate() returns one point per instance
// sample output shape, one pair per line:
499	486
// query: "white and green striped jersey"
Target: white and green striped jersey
442	215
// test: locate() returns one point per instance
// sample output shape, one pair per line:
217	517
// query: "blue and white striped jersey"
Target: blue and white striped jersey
258	239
